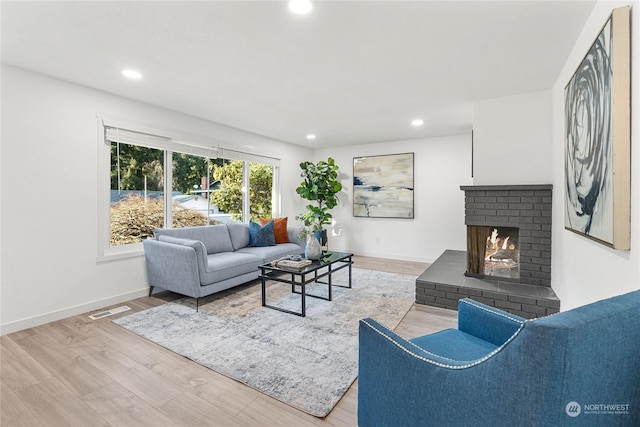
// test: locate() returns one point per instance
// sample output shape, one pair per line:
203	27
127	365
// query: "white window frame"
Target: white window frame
169	141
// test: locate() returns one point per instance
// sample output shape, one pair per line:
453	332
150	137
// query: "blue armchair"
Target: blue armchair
576	368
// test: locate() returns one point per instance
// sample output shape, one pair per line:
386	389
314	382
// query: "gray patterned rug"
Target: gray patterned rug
306	362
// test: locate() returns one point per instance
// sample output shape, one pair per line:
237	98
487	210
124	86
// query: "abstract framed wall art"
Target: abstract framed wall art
597	138
383	186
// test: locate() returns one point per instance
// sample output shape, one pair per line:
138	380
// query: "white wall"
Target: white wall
441	166
49	213
50	205
512	140
584	271
49	201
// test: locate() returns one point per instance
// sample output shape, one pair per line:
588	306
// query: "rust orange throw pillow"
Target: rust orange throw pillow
279	228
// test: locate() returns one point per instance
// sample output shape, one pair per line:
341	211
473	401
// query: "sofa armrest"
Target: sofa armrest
487	323
172	267
197	245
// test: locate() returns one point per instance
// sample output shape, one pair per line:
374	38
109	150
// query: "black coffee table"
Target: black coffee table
324	267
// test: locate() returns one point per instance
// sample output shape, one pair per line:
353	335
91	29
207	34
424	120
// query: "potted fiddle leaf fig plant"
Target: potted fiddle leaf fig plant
320	186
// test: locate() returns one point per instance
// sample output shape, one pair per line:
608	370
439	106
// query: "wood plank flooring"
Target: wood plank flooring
85	373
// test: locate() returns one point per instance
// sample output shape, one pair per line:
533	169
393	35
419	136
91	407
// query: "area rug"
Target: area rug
306	362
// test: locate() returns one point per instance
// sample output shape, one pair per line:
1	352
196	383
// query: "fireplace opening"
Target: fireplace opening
502	253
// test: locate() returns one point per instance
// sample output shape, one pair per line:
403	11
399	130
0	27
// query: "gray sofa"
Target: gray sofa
199	261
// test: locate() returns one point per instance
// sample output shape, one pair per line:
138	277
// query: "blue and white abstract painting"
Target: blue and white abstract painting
383	186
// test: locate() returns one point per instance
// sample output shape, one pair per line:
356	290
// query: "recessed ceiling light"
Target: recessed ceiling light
132	74
300	7
417	122
311	136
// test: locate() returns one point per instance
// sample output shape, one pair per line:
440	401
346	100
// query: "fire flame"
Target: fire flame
494	237
506	241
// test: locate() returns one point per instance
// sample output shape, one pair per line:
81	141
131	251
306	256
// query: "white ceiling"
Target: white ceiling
351	72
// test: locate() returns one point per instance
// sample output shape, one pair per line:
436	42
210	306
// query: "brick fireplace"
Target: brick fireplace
508	259
523	208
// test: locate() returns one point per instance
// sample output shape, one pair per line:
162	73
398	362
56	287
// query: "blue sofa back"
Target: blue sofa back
590	355
576	368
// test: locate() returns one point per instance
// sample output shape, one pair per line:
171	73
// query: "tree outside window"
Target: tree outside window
203	191
229	198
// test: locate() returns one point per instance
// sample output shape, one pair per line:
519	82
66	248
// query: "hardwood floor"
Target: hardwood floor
80	372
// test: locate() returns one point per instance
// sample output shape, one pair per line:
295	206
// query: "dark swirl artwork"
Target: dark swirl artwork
588	143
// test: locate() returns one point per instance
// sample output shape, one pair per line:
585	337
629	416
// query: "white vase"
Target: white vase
312	250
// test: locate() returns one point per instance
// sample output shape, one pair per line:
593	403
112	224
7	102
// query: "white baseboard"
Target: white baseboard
31	322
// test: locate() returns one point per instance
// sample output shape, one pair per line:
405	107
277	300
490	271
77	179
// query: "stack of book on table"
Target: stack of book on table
292	264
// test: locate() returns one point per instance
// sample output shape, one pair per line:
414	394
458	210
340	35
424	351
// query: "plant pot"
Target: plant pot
321	236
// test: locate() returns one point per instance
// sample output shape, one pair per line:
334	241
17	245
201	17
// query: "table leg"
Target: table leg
264	289
329	282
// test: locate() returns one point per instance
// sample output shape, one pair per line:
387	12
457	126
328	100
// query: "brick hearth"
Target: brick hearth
444	283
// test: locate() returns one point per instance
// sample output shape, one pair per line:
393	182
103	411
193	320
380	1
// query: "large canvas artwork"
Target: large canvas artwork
383	186
597	138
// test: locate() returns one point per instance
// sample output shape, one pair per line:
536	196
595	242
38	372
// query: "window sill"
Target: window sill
120	253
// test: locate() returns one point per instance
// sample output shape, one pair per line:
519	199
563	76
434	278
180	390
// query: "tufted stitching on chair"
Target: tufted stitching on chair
543	317
417	346
429	352
498	313
443	365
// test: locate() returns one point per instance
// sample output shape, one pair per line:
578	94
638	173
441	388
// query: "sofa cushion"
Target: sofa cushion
215	237
225	265
279	228
239	233
271	253
261	235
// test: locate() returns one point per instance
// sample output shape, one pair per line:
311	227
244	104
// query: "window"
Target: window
137	195
193	191
236	177
155	181
260	191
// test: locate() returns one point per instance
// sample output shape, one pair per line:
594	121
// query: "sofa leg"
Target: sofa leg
150	290
197	303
